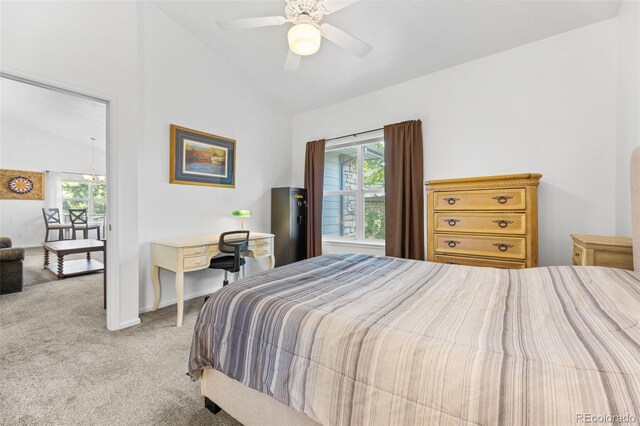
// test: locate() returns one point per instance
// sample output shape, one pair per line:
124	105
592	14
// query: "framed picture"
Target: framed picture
199	158
21	185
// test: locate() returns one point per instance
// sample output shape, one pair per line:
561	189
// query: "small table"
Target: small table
595	250
73	267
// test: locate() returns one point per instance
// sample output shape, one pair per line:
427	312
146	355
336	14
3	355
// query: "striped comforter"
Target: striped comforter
355	339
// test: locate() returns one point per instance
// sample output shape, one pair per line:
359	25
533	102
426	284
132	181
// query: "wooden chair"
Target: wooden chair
80	220
52	223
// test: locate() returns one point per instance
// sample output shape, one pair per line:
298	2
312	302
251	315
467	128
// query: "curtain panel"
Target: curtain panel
404	190
53	192
314	183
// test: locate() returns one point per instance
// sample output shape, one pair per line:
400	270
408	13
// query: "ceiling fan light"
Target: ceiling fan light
304	39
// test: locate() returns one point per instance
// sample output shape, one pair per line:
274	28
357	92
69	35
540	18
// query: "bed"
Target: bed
353	339
356	339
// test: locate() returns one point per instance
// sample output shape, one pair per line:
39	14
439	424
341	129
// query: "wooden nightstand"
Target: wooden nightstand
594	250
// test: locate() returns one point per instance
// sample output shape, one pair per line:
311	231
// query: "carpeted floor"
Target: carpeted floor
60	366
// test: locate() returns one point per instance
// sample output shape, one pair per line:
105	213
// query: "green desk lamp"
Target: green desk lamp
241	214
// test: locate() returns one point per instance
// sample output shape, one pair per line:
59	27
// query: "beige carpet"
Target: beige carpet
60	366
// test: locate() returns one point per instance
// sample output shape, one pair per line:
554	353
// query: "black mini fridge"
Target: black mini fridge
289	224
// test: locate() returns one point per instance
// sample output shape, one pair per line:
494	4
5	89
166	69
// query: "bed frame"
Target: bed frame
247	405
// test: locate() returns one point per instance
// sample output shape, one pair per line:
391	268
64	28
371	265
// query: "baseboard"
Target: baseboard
164	304
127	324
39	245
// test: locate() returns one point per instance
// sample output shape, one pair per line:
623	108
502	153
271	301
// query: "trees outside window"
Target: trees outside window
354	202
78	193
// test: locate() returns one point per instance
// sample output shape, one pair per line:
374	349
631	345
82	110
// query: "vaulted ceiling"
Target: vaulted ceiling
409	39
66	116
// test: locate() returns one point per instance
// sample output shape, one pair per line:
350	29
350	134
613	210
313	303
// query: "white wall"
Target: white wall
186	84
547	107
156	74
91	47
628	107
25	146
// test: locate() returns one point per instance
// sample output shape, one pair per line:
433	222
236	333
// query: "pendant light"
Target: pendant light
92	178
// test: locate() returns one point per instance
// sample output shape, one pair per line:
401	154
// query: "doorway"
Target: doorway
57	140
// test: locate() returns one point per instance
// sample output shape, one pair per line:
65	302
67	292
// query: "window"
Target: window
81	193
353	205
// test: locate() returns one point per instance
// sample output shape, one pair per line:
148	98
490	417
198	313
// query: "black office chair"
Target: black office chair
232	242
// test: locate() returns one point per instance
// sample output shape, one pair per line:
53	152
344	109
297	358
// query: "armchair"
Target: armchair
11	259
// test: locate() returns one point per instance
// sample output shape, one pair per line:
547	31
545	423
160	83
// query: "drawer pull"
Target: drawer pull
452	243
451	200
503	223
452	222
502	246
576	254
502	199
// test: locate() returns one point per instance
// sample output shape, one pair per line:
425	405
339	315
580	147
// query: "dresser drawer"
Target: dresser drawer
613	259
486	199
195	251
196	262
490	223
578	255
473	261
503	247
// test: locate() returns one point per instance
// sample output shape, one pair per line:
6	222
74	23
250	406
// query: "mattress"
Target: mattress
356	339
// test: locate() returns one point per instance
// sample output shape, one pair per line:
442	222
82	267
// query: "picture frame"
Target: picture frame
199	158
21	185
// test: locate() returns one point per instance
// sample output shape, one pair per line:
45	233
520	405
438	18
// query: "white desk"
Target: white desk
186	254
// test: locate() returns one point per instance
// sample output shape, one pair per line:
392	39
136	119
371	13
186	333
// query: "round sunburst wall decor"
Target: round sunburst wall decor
20	185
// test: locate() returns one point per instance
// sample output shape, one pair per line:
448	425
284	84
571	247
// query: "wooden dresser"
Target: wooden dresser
595	250
484	221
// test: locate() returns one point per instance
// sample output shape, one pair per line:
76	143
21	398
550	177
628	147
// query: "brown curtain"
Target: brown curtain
314	183
404	191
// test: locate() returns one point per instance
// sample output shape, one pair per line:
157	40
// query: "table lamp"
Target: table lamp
241	214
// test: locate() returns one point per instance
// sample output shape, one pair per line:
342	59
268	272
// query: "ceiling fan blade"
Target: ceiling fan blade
293	62
345	40
332	6
243	24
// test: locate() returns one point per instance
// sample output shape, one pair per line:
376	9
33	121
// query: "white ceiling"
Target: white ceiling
409	39
66	116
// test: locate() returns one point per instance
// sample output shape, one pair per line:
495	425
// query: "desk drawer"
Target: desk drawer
259	243
503	247
488	223
195	251
196	262
486	199
261	251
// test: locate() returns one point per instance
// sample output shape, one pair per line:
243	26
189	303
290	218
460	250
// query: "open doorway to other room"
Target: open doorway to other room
53	200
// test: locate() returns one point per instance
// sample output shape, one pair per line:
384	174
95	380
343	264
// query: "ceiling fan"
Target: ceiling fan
306	34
